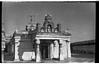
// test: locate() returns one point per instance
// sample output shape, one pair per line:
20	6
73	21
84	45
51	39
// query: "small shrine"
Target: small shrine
39	42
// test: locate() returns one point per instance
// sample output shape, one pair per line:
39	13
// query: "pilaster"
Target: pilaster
17	43
38	58
52	51
56	49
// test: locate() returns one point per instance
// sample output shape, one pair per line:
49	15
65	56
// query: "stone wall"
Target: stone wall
25	46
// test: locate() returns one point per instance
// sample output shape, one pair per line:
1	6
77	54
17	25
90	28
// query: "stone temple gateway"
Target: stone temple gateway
39	42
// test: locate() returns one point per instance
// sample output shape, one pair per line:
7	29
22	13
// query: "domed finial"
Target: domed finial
16	30
48	17
32	19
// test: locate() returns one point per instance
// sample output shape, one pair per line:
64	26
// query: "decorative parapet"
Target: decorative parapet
52	37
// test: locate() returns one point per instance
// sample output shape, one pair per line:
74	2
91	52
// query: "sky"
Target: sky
78	17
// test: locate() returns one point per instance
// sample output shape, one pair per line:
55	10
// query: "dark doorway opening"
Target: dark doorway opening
45	49
44	52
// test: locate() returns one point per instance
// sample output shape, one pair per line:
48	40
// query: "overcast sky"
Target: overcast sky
79	17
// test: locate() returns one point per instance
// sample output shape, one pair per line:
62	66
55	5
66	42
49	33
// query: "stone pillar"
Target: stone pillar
69	50
61	50
2	55
3	47
17	43
56	49
38	58
65	49
51	50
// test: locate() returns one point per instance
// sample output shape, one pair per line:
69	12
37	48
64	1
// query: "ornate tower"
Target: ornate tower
48	23
31	26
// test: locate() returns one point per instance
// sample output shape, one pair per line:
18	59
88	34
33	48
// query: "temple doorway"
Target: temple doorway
44	52
45	49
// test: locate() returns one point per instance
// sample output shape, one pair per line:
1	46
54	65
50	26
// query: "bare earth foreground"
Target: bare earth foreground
76	58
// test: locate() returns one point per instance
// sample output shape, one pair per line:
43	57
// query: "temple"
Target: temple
39	42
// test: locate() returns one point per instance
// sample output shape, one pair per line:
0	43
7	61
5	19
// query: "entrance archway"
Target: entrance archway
45	49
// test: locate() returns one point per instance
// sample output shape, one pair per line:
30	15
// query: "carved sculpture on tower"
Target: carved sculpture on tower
48	24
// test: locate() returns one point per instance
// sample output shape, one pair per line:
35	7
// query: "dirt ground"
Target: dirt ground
76	58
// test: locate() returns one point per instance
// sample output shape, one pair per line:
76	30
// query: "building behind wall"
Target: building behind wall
83	47
38	42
